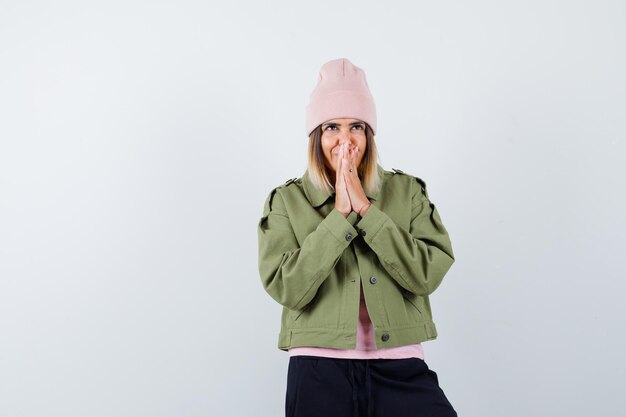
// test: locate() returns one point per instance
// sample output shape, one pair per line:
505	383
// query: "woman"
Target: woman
352	252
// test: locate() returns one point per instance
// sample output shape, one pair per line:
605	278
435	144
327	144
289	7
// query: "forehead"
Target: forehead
342	121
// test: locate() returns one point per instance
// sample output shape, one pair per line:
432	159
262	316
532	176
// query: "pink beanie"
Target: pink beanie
341	92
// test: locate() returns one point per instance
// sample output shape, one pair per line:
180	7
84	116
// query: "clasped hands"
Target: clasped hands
349	194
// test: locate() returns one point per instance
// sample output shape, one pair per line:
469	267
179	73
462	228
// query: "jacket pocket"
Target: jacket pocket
295	314
413	300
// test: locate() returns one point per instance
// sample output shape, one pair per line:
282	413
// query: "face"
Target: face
336	132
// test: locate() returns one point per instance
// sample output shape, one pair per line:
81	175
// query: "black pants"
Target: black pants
329	387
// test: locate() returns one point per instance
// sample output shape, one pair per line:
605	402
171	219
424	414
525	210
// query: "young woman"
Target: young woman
352	252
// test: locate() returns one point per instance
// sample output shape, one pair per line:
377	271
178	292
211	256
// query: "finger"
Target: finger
339	166
352	163
355	152
353	160
344	155
340	155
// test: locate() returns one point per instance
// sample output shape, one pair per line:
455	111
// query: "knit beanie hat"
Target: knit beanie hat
341	92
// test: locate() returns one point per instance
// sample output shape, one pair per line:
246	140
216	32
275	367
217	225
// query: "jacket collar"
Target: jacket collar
318	197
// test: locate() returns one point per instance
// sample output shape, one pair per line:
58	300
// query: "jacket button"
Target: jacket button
385	337
373	280
348	236
362	232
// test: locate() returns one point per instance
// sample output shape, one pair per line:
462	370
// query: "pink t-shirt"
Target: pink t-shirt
365	345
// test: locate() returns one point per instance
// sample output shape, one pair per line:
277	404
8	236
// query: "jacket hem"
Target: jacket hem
346	339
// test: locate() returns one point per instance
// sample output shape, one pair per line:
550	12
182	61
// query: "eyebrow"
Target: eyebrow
339	124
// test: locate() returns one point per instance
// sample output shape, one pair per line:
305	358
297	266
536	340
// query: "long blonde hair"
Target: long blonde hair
318	172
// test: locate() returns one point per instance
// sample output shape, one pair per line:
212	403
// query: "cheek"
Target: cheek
326	149
362	147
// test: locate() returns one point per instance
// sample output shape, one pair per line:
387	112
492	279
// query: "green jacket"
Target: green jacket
312	261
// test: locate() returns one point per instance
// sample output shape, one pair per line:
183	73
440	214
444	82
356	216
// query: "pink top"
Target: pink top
365	345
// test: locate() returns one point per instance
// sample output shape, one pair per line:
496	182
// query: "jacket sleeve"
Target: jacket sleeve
292	273
417	258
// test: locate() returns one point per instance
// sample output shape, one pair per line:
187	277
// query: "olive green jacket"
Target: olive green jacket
312	260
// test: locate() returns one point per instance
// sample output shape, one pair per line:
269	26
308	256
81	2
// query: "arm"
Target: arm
417	258
292	273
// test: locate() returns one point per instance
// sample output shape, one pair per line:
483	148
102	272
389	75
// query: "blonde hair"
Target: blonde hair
319	174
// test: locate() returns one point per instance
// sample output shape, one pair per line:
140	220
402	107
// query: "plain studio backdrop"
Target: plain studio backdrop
140	139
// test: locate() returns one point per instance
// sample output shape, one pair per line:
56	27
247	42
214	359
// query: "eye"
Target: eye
330	126
359	127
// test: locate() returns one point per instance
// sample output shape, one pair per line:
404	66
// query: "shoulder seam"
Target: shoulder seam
421	182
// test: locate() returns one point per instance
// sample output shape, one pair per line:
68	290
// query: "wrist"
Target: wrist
364	209
342	212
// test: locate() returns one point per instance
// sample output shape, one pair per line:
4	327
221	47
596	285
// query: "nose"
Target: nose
345	137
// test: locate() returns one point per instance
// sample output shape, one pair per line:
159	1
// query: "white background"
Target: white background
139	139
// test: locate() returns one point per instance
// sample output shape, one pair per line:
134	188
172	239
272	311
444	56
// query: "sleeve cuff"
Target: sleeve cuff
339	226
371	223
